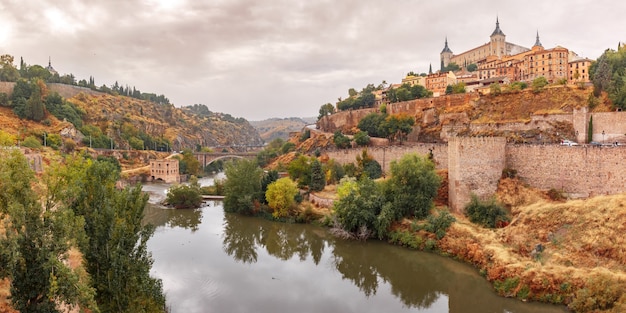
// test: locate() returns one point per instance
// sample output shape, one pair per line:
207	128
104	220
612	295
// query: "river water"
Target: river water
212	261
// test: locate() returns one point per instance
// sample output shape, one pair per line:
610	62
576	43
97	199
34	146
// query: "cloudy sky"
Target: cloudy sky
281	58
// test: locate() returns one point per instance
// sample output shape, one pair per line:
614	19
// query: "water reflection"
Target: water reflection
244	235
211	261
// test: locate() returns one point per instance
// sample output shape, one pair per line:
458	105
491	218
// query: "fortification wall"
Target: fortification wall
385	155
613	124
415	107
344	120
475	166
69	91
581	171
536	121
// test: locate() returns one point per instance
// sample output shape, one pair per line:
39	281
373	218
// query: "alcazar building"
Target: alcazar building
505	61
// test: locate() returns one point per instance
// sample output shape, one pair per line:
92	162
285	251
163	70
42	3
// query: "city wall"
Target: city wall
582	171
475	165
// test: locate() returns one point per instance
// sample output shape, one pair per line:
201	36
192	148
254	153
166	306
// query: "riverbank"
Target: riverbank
562	252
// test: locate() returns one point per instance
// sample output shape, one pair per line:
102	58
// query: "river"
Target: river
212	261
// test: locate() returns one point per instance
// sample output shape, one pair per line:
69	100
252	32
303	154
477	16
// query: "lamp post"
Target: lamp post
44	140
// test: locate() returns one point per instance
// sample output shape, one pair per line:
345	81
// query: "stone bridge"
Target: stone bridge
206	158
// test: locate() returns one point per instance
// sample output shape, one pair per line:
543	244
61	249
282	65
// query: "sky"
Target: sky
259	59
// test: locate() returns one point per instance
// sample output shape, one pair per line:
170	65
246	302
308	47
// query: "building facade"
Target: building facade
165	170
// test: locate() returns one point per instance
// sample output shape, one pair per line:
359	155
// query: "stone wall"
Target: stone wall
344	120
385	155
475	166
580	171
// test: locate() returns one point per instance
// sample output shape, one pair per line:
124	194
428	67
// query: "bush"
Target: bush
305	135
288	147
439	224
539	83
555	195
361	138
509	173
487	214
600	293
340	140
185	196
31	142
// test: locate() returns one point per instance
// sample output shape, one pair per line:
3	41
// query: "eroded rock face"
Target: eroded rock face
72	133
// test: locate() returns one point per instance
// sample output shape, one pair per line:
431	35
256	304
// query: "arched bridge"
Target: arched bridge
206	158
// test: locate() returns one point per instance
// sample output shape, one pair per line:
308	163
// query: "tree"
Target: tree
242	186
8	72
607	74
268	178
35	109
116	252
361	138
472	67
318	179
340	140
495	89
189	163
35	245
6	139
326	109
280	196
398	126
368	166
452	67
358	207
183	196
352	92
300	170
371	124
413	186
539	83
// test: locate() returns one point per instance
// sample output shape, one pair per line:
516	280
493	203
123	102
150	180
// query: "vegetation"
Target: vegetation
487	214
35	244
361	138
608	74
366	208
280	196
318	179
406	92
539	83
242	188
340	140
183	196
392	127
325	110
455	89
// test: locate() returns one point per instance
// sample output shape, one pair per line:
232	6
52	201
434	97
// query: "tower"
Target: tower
537	42
445	55
497	43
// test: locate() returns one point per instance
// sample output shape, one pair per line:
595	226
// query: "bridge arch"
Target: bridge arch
224	157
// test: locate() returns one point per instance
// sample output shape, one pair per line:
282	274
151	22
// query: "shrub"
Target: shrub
305	135
487	213
600	293
539	83
361	138
31	142
439	224
288	147
340	140
509	173
555	195
185	196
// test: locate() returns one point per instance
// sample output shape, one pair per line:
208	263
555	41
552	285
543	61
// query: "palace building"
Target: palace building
499	60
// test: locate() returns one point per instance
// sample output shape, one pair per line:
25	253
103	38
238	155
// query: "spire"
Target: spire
446	48
537	42
497	31
430	69
49	61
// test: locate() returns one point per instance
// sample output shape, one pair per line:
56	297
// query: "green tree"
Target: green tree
116	253
31	142
300	170
287	147
352	92
189	164
340	140
452	67
326	109
590	130
280	196
472	67
4	100
495	89
183	196
242	187
608	74
268	178
358	207
371	124
539	83
35	244
361	138
8	72
318	179
413	186
37	72
398	126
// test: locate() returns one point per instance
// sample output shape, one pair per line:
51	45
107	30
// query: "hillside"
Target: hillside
123	118
273	128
